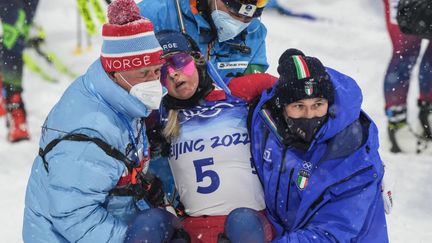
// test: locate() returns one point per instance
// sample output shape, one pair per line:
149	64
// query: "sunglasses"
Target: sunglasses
246	8
178	62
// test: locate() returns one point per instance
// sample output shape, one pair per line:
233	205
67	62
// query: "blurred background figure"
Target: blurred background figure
2	99
406	50
415	17
283	10
16	16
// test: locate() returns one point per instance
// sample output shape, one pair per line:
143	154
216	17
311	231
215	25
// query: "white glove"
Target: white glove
387	189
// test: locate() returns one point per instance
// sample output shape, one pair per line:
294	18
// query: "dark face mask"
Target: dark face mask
305	128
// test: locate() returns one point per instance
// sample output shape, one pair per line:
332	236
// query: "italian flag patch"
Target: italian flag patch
309	89
303	179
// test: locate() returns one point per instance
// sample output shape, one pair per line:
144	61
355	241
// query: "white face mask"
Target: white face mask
150	93
227	27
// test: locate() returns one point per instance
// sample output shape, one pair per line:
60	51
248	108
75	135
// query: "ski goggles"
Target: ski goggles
248	8
175	62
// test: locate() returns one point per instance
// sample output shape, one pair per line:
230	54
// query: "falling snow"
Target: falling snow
350	36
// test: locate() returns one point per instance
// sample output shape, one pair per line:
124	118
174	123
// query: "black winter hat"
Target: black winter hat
301	77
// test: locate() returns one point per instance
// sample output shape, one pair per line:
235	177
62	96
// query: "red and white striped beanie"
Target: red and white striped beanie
129	41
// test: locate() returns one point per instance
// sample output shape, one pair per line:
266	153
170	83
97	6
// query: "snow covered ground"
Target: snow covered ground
350	37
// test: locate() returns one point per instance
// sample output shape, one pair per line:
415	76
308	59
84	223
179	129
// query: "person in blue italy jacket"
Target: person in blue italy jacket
316	153
204	119
78	190
229	33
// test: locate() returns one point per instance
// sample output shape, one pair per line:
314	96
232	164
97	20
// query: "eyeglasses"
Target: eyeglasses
246	8
179	61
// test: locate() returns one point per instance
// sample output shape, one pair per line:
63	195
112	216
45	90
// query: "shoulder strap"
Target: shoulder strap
108	149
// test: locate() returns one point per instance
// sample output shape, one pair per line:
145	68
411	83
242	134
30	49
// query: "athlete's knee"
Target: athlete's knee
152	225
244	225
241	214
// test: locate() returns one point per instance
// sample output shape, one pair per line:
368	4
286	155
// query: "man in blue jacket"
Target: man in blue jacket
316	153
228	32
89	180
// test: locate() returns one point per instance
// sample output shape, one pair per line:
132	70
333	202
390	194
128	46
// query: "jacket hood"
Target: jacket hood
346	107
112	94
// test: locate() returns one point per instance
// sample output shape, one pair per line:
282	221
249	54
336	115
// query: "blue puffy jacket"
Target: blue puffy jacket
331	192
71	203
225	56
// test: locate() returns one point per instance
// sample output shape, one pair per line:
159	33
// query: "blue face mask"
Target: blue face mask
227	27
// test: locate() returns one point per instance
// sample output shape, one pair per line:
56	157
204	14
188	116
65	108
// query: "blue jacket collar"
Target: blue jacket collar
112	94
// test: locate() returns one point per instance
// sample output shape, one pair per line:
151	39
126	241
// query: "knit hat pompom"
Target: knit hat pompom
122	12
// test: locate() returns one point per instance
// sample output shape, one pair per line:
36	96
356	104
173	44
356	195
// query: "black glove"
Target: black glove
158	143
180	236
149	188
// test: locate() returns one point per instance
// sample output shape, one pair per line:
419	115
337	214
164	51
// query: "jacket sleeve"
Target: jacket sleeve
163	15
258	135
80	178
256	40
347	211
249	87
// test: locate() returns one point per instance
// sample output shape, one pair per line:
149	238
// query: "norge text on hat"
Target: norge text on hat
128	39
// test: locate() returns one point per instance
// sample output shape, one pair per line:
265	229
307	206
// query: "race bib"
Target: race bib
211	163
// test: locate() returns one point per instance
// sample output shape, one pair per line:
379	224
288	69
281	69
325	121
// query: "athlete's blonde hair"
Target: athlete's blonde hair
172	127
